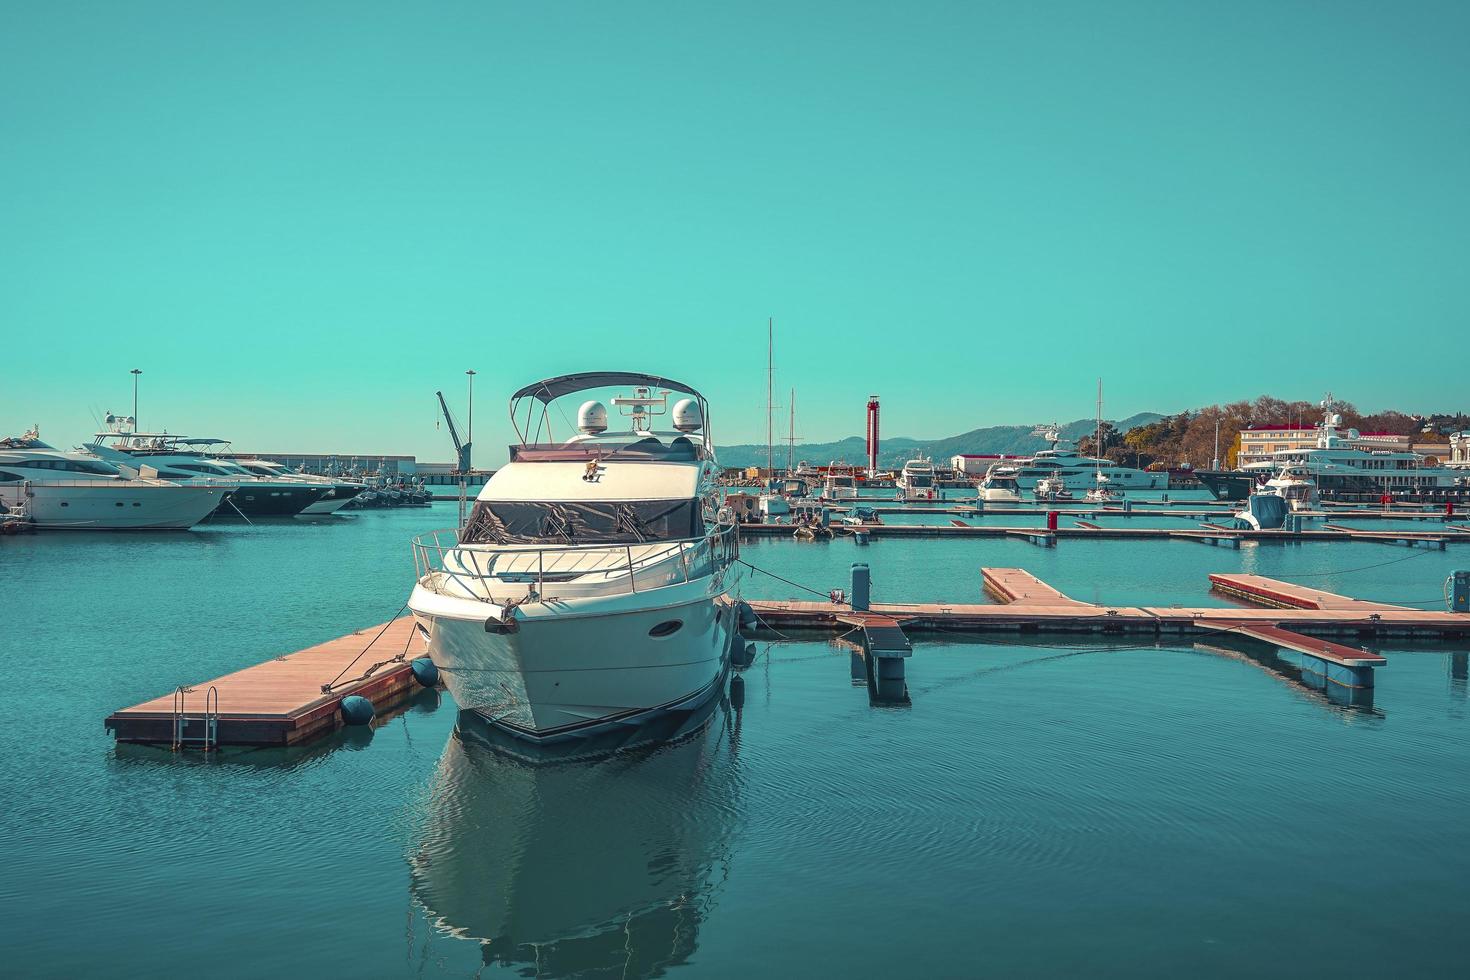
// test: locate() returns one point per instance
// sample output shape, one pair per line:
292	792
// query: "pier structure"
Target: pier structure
1208	533
294	698
286	700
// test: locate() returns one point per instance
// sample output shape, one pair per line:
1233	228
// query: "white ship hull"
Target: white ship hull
106	505
327	505
1124	478
574	668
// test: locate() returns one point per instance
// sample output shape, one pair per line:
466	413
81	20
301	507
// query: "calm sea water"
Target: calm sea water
1042	807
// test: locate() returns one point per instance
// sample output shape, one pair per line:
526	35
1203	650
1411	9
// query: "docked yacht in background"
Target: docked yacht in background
1342	468
339	492
839	483
189	461
583	593
916	480
1000	485
62	490
1069	469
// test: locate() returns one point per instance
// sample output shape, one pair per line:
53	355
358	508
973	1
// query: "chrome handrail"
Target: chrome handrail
721	547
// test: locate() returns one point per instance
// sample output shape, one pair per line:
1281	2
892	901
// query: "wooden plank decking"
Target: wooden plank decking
281	701
1347	618
1288	595
1018	585
1336	653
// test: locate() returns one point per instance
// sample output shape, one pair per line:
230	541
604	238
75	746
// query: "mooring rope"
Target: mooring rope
327	687
824	595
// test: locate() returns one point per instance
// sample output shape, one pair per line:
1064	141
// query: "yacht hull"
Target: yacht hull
342	494
1084	479
572	674
123	506
270	501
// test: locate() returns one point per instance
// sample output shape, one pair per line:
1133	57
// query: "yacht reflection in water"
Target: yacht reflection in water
584	866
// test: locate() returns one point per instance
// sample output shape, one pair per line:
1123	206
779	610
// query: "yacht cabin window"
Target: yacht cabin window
582	523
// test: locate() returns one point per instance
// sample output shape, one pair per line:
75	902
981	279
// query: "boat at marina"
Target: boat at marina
339	492
839	483
1051	488
1066	468
583	592
1295	486
916	479
1343	468
195	462
1000	485
60	490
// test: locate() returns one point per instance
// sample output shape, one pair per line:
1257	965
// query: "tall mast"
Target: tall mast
770	376
791	439
1097	439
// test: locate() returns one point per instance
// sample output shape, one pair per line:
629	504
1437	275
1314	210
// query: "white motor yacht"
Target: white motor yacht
1051	488
76	491
916	480
339	492
839	483
1294	484
584	591
999	485
192	461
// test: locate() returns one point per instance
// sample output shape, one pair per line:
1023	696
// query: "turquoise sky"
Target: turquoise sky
299	219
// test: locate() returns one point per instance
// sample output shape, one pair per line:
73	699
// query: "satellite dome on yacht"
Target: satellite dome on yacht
592	418
687	417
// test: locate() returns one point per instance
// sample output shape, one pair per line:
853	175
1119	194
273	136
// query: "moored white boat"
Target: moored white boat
60	490
916	480
584	590
999	485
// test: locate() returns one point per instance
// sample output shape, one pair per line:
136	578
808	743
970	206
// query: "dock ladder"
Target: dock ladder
208	739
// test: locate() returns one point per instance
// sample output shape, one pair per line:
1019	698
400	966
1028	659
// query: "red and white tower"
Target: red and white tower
872	435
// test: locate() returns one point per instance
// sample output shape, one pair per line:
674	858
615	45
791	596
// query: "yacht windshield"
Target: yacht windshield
569	523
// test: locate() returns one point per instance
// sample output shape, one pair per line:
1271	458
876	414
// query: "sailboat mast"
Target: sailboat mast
1097	438
791	438
770	375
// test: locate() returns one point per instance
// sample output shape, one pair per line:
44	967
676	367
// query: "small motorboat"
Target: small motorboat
1000	485
1052	488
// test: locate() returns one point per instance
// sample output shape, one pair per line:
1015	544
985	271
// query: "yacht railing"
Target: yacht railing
441	561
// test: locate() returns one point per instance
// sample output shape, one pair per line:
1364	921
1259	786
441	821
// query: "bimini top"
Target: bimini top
553	388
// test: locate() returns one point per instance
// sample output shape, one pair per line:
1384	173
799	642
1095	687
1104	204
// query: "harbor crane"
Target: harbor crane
462	455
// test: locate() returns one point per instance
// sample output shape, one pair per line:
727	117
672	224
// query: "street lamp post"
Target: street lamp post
135	372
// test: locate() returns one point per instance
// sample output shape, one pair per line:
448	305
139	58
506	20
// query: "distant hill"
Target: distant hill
1010	439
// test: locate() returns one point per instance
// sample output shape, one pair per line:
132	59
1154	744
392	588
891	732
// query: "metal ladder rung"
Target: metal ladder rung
209	740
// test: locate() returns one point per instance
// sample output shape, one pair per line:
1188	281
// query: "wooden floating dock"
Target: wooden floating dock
1288	595
1213	534
1046	614
885	648
281	701
1018	585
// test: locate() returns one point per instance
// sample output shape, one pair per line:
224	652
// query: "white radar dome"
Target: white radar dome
592	418
687	417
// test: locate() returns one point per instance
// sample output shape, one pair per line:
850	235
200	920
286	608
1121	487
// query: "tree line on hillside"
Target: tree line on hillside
1188	438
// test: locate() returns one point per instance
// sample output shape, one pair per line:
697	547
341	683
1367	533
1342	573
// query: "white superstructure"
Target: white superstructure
77	491
1000	485
1339	463
916	480
583	591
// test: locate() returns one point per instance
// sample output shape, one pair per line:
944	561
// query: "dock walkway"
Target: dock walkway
281	701
1288	595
